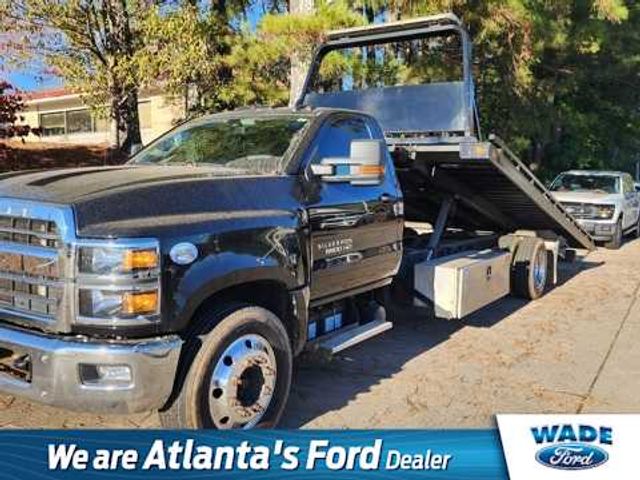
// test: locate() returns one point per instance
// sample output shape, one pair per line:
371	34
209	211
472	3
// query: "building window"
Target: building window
81	121
52	123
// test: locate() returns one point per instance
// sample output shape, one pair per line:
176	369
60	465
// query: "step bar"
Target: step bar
349	336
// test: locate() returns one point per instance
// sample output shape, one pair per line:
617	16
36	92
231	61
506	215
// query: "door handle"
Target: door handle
385	198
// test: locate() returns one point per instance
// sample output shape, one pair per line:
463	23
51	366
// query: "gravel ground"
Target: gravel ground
574	350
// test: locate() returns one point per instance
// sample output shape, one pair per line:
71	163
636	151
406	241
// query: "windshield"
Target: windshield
586	183
248	145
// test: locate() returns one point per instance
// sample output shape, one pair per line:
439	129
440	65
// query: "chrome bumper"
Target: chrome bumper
599	229
55	362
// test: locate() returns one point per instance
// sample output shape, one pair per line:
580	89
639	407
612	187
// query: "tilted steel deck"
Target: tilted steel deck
494	190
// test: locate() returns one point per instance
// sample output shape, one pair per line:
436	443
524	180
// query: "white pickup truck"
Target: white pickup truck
605	203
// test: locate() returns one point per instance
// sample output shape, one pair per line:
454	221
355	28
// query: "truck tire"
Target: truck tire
529	269
236	374
616	242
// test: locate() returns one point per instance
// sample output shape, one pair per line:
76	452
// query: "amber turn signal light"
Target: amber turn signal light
139	303
371	170
140	259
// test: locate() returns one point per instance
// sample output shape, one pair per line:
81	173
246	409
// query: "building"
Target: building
63	118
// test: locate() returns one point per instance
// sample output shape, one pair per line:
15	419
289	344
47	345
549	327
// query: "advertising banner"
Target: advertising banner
401	454
525	447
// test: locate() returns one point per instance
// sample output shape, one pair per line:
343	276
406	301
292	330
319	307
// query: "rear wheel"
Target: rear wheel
239	377
529	268
616	242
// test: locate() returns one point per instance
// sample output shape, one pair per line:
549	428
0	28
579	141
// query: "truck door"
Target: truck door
356	230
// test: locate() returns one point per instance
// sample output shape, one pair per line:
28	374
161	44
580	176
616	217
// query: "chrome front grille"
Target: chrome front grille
32	263
29	231
579	210
24	288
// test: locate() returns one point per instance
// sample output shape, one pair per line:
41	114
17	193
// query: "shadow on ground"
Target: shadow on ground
321	386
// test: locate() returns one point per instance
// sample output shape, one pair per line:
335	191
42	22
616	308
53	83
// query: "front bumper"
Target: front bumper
54	364
600	230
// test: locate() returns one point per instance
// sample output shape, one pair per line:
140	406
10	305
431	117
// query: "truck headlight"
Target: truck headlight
96	303
118	282
116	260
603	212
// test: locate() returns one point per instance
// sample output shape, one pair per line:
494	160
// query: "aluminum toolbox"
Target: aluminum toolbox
463	283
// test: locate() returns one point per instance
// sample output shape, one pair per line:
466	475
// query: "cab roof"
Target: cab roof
604	173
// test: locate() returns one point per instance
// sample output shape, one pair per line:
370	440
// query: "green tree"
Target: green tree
262	61
213	58
186	49
555	79
92	45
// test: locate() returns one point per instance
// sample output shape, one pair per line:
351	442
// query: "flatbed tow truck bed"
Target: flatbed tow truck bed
496	191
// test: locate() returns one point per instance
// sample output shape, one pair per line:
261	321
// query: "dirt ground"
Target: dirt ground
16	155
572	351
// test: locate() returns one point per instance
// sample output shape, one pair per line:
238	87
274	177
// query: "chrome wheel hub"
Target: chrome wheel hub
242	383
540	269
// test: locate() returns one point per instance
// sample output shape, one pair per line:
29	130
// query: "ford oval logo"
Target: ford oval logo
572	456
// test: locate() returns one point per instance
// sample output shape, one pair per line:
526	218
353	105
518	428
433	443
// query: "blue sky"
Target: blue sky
28	80
33	80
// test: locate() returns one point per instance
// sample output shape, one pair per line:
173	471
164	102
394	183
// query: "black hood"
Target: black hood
75	185
133	200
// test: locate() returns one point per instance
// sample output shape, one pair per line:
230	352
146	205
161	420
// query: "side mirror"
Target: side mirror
364	166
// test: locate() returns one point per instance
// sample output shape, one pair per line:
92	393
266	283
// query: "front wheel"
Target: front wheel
240	375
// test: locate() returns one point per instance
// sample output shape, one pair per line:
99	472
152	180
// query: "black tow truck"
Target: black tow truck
189	278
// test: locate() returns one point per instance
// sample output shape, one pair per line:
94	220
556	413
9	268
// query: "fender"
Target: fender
187	287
